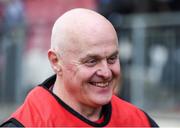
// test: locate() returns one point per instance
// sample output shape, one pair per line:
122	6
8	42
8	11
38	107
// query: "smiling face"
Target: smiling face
90	75
91	67
90	62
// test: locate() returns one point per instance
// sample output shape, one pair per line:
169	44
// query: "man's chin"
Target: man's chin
103	101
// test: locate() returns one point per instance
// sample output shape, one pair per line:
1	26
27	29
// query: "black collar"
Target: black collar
106	111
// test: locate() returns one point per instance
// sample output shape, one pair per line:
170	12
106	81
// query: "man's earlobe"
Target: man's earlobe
56	69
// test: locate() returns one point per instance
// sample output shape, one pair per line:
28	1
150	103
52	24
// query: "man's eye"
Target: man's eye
91	62
112	59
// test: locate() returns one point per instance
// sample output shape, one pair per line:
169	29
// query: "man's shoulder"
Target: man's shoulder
126	109
120	102
121	105
35	93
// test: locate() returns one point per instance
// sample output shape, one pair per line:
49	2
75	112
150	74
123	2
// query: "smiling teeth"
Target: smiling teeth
100	84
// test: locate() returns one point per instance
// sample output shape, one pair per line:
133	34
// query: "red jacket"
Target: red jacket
43	108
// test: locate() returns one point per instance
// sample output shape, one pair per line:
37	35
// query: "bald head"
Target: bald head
84	52
76	25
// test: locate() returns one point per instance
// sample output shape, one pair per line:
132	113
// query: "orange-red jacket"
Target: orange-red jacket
43	108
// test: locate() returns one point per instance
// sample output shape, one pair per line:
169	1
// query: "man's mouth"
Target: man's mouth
100	84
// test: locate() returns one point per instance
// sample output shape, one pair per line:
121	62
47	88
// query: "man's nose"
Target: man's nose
104	70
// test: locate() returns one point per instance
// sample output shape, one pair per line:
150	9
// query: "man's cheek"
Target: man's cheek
116	70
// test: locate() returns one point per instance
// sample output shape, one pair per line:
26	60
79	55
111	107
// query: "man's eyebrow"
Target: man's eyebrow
95	56
114	53
90	56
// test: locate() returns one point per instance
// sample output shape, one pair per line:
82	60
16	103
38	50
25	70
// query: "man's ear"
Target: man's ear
54	60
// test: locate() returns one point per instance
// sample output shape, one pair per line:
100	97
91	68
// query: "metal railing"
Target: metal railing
153	67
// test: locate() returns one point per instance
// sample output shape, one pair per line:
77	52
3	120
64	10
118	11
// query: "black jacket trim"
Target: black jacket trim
151	121
12	123
106	110
49	82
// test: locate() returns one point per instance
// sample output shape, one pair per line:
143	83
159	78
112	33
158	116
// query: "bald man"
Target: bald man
84	56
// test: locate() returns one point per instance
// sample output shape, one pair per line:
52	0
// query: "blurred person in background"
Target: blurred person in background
84	56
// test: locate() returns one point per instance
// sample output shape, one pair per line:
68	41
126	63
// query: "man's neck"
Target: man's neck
91	113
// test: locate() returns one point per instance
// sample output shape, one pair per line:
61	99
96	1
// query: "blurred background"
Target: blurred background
149	38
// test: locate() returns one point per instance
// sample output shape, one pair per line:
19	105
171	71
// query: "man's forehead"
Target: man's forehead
67	34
